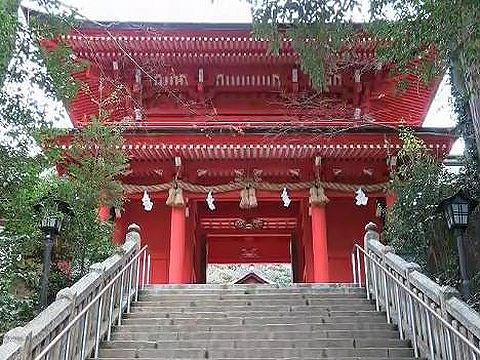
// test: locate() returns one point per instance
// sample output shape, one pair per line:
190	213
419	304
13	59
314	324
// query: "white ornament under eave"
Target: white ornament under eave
210	201
285	198
146	201
361	198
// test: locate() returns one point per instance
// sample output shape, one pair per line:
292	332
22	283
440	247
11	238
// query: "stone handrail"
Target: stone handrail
444	300
24	343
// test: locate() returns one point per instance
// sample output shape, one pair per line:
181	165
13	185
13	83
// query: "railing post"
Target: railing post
354	268
148	269
70	296
370	234
133	234
446	293
21	337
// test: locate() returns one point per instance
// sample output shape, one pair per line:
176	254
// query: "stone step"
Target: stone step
267	358
248	294
249	314
124	334
249	353
268	301
329	288
153	318
194	306
140	325
256	343
302	322
274	301
256	311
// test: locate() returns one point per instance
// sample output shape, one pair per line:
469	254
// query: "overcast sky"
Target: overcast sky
225	11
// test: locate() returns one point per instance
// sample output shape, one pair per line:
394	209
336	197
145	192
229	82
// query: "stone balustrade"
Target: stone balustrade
409	314
25	343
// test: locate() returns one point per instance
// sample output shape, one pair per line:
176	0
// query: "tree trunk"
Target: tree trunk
467	81
475	112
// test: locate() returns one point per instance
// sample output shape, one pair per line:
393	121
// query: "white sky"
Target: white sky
224	11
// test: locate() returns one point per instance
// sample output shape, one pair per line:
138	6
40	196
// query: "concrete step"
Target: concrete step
241	295
289	358
254	314
330	288
152	318
252	306
125	334
257	312
305	322
140	325
256	343
249	353
274	301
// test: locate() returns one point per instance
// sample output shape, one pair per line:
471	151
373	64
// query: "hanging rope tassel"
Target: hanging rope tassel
252	198
244	199
248	199
175	197
317	196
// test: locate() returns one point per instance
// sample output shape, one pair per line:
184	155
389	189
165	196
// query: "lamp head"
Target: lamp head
457	210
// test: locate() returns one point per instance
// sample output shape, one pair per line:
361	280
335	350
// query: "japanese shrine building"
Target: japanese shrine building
209	113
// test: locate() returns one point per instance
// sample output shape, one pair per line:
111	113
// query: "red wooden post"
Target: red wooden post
177	246
103	213
319	238
390	199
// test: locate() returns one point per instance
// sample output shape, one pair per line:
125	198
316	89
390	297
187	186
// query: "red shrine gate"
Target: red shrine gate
209	113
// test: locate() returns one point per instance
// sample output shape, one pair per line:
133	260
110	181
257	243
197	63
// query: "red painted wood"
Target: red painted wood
390	199
103	213
174	114
247	249
346	223
233	54
177	246
319	241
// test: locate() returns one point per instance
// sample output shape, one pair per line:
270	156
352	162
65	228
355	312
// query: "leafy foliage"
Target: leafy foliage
425	37
313	29
414	225
279	274
84	239
31	73
420	184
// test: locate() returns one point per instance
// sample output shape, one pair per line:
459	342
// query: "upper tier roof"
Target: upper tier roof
217	75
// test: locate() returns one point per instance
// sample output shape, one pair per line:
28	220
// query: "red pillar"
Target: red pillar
319	240
177	246
390	199
103	213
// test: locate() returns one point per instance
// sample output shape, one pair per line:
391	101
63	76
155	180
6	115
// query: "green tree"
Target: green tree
443	34
34	71
420	183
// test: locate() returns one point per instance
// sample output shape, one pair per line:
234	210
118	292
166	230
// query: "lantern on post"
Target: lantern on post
457	210
53	212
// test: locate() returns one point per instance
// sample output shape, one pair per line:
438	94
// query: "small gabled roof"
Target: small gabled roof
255	273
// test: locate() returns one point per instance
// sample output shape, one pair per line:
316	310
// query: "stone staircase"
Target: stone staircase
255	322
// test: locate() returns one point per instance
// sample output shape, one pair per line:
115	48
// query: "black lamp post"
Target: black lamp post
457	210
51	224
